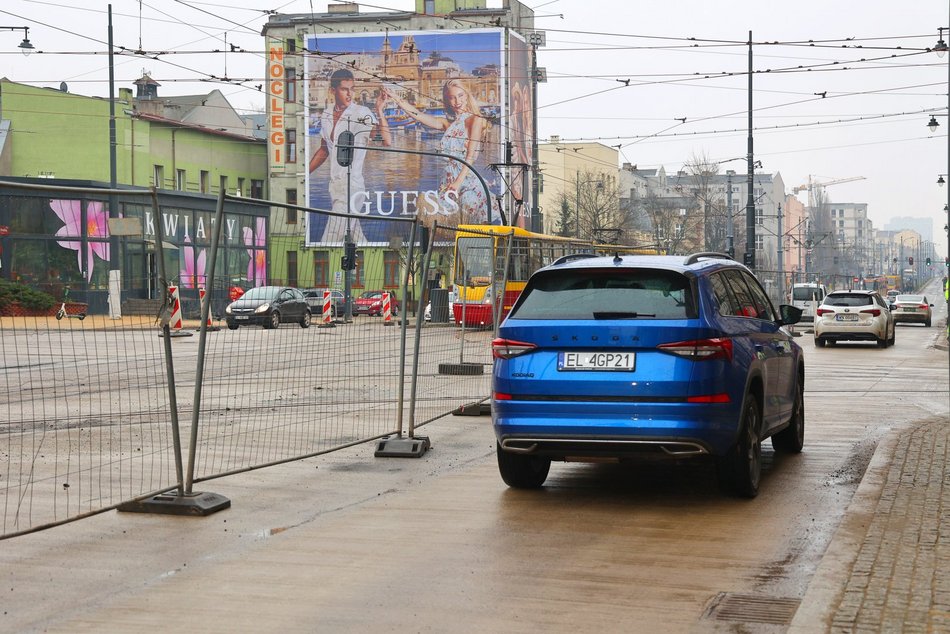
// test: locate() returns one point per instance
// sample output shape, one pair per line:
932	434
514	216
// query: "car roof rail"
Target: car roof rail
703	255
573	256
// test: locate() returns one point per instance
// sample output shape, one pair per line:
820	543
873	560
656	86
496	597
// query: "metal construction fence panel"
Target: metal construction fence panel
105	411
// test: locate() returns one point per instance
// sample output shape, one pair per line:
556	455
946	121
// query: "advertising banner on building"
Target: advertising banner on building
437	92
520	130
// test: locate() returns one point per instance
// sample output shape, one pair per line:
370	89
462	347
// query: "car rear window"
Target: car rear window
856	299
606	294
916	299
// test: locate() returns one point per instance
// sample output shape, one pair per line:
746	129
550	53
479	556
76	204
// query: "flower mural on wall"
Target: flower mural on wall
192	272
97	226
255	241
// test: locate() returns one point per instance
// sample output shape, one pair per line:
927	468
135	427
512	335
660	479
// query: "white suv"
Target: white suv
854	316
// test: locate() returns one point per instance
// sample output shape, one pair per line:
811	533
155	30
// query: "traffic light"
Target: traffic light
348	261
910	260
344	155
928	261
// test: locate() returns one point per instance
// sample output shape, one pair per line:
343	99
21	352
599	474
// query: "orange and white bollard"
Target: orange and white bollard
174	324
327	321
387	310
201	302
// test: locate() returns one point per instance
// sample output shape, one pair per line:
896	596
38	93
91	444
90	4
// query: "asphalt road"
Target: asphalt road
349	542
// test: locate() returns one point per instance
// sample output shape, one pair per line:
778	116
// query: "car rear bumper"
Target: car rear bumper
913	318
562	430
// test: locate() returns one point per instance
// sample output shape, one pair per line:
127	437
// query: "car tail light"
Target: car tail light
924	306
501	396
874	312
824	311
506	348
709	398
701	349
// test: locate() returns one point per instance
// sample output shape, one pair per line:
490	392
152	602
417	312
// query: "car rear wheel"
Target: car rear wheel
522	471
272	320
819	343
882	343
927	323
305	320
792	438
741	469
890	341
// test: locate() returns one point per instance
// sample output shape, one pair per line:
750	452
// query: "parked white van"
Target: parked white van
808	296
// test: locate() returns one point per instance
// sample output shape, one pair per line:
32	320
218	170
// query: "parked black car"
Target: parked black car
268	306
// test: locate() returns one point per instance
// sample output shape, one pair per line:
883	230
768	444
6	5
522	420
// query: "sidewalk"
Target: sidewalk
886	569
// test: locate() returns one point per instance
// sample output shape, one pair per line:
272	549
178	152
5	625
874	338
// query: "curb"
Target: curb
827	586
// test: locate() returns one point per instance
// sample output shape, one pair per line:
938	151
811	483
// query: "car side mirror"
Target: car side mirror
789	315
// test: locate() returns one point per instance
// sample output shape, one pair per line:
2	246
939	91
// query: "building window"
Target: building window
291	45
158	176
257	188
321	268
180	180
223	183
291	268
391	269
290	84
291	145
841	223
759	243
759	216
203	182
240	187
291	200
429	7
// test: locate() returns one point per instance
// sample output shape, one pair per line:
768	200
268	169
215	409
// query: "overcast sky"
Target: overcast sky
843	118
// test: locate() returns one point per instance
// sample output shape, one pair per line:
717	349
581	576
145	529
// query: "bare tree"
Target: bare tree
599	214
676	223
711	201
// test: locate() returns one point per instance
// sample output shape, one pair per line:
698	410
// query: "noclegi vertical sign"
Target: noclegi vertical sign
276	91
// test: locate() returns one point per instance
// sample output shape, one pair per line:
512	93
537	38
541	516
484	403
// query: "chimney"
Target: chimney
343	7
555	138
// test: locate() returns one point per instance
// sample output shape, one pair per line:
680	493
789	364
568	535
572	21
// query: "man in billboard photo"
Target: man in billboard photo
365	124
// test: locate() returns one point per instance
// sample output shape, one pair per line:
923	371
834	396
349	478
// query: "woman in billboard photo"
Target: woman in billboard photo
463	128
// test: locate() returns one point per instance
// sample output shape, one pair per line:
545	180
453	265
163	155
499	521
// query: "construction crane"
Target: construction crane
811	186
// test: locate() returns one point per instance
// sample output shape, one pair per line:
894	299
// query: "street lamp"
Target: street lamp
25	46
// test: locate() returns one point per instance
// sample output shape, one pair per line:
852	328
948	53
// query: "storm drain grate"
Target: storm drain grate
752	608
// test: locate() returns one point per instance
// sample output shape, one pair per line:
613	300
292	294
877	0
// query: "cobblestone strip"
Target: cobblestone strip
895	583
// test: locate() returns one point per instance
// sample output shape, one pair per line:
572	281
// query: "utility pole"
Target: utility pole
781	257
730	229
749	259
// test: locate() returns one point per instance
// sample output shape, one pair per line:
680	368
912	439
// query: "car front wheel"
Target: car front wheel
522	471
741	469
272	320
232	326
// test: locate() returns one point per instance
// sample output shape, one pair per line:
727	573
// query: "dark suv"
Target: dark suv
611	358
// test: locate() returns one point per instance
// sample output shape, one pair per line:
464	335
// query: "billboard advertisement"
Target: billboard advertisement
441	93
520	130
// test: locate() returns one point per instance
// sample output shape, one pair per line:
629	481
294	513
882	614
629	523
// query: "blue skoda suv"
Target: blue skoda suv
617	357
